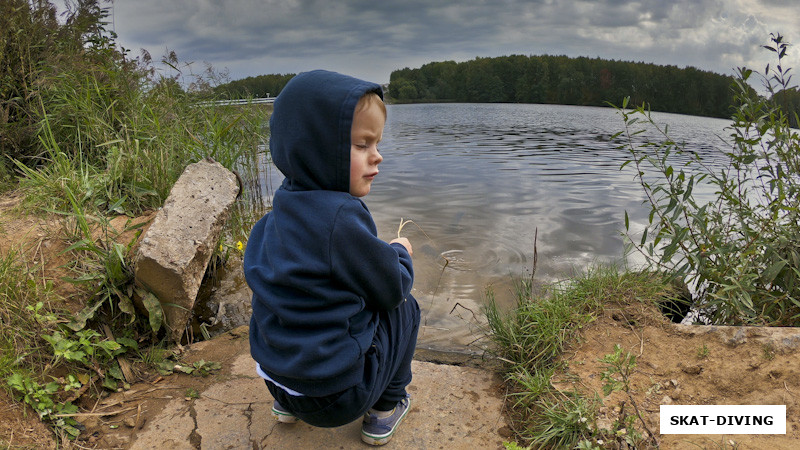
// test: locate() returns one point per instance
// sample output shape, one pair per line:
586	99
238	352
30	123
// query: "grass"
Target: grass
25	315
532	337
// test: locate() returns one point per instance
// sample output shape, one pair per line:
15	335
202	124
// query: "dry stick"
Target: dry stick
124	364
535	256
109	413
403	223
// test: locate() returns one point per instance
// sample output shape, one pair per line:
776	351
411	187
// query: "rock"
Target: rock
691	369
176	249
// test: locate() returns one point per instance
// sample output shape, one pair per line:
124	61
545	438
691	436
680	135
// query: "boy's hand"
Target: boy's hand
405	243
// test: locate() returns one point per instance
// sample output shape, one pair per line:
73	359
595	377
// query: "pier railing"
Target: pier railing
251	101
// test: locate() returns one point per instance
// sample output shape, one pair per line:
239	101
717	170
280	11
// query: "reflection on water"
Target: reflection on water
478	179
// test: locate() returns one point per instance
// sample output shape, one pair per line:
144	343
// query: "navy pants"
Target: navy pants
387	372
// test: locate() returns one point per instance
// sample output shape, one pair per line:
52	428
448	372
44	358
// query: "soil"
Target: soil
681	366
672	366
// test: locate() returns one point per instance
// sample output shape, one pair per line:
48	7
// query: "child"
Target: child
334	325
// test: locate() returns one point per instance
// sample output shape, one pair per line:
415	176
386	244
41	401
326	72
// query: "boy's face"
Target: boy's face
366	132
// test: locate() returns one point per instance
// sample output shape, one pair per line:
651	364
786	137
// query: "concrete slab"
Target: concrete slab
453	407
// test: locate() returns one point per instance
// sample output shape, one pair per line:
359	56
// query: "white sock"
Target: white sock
381	414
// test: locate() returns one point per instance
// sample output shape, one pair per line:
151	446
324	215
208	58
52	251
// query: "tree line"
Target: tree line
565	80
548	79
254	87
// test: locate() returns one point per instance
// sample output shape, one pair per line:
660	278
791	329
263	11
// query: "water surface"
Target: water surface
478	180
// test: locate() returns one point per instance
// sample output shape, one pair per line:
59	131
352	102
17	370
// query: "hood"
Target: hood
310	129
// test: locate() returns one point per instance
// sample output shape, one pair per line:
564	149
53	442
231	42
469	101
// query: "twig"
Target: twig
101	414
785	386
459	304
535	256
403	223
124	364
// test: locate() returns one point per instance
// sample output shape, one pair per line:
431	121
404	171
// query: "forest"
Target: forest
565	80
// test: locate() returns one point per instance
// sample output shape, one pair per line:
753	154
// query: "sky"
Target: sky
370	39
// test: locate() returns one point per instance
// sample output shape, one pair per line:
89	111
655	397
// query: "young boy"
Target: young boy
334	324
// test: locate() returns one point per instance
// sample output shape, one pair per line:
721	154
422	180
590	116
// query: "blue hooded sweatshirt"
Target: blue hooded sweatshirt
319	274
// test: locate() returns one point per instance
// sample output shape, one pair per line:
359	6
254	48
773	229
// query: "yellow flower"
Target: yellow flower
220	247
239	246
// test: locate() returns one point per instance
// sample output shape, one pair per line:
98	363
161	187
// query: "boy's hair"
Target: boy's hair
369	99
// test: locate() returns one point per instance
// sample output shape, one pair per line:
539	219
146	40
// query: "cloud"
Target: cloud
370	39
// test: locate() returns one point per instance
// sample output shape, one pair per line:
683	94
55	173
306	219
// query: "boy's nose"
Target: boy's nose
377	157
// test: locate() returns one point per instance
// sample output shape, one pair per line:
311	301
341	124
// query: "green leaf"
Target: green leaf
75	355
126	305
115	372
16	381
165	367
772	271
128	342
110	383
79	321
110	346
154	310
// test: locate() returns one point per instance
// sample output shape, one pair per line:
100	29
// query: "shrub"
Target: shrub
740	251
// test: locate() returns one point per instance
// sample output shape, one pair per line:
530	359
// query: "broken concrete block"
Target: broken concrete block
175	250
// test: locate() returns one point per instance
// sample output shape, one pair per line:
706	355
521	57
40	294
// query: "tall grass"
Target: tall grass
125	158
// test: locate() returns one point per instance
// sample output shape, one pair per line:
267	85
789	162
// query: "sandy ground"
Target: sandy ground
693	365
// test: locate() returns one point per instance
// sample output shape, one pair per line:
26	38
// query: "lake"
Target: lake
478	180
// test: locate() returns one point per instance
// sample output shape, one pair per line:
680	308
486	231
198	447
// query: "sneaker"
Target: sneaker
378	431
282	414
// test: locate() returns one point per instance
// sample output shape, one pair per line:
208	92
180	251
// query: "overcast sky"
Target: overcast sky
370	39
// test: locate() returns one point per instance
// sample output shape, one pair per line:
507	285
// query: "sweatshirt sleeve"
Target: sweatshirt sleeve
380	273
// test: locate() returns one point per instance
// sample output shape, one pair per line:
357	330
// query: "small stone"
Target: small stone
666	400
604	423
653	366
676	394
693	369
130	422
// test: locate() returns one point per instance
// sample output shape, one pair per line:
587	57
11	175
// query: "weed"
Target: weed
617	376
702	352
191	394
25	315
42	400
768	352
